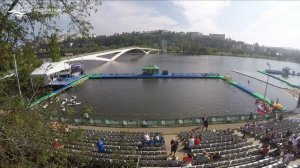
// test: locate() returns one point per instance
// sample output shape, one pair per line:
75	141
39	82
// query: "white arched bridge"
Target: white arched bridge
97	56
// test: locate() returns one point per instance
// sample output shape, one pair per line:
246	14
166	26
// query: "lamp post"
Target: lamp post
17	75
267	81
19	15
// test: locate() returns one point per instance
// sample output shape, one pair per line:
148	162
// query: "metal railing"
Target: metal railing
170	122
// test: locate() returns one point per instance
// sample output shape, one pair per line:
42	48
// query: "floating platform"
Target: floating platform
64	81
280	79
142	76
251	76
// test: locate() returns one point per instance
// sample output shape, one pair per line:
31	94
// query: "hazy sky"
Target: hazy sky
271	23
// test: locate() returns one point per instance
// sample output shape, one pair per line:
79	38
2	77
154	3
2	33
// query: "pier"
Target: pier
280	79
250	76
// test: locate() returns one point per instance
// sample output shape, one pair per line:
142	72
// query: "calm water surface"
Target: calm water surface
177	98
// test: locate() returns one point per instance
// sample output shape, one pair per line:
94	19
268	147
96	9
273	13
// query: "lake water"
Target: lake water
177	98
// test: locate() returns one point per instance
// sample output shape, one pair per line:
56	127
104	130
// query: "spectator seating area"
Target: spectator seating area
128	148
280	135
280	128
121	147
234	151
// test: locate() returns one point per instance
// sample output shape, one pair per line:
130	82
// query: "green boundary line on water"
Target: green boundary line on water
280	79
96	76
254	94
72	84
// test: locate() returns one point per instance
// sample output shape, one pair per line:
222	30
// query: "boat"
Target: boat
73	103
45	106
73	98
64	101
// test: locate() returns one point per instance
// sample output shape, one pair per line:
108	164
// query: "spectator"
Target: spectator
56	144
188	159
203	158
289	146
246	130
174	146
251	116
294	140
197	141
265	150
157	138
146	138
173	161
288	157
101	146
288	133
204	120
55	125
206	124
67	129
191	142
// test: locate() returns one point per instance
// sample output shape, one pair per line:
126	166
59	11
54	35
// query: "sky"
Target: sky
269	23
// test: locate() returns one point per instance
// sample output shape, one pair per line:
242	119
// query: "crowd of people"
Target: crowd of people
156	139
189	159
286	144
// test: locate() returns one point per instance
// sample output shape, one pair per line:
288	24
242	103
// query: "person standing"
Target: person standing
174	146
205	122
251	116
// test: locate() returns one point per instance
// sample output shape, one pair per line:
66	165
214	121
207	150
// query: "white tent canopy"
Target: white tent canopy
51	68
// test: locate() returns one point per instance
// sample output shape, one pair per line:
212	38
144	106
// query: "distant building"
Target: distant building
194	34
182	33
164	45
100	36
236	47
263	49
247	48
256	48
158	32
217	36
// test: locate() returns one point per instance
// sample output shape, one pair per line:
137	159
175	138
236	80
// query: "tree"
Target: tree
54	49
25	134
41	19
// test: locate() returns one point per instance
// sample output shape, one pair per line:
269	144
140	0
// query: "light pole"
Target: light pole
17	74
267	81
19	15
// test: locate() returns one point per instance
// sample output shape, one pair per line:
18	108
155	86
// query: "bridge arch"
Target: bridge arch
117	52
